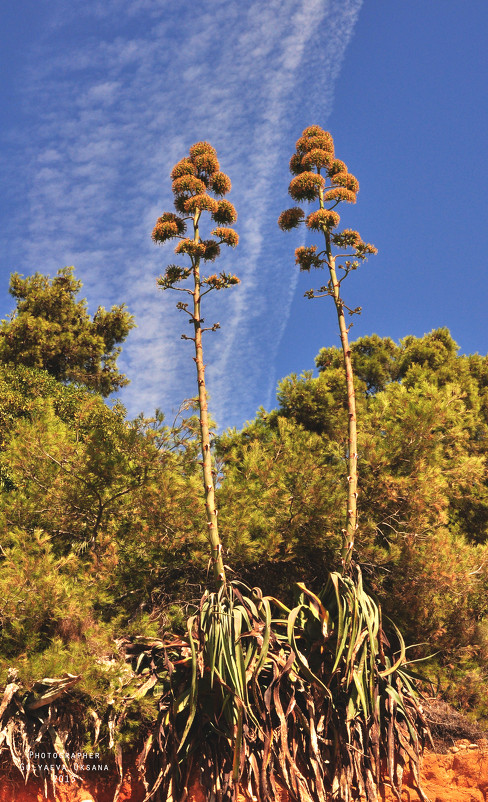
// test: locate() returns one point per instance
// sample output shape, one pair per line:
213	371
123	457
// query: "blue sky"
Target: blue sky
102	97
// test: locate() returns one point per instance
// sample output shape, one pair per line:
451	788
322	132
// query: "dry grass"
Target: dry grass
448	725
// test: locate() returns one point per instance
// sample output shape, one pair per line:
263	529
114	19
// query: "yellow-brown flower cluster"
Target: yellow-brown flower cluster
337	167
345	180
316	158
202	202
323	219
212	250
194	175
221	281
307	258
315	153
188	184
306	186
183	167
315	148
226	235
340	194
296	164
220	183
347	238
192	248
167	226
202	147
364	249
315	137
206	163
352	239
290	218
196	178
225	213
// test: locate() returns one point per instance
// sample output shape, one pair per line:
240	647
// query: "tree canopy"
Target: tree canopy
51	329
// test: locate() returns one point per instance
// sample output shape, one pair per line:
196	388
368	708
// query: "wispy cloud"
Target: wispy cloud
109	115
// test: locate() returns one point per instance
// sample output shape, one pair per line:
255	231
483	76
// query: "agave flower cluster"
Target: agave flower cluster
319	176
198	186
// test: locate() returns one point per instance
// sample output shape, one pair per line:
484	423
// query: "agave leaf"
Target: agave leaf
8	695
56	688
192	695
301	660
266	612
241	665
213	645
232	669
17	756
279	605
149	683
401	658
60	748
237	747
362	695
357	646
317	608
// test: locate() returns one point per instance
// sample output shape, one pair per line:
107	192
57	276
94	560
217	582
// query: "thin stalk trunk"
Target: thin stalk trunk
208	481
348	534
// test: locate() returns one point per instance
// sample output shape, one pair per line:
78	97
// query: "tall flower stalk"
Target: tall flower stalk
319	176
194	178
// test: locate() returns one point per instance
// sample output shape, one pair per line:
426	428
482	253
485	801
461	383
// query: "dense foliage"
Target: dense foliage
96	518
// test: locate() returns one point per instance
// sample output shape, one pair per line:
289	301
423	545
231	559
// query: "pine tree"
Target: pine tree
51	329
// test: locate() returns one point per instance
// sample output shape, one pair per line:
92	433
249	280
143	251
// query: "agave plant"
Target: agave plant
230	703
213	708
36	721
318	702
369	719
206	708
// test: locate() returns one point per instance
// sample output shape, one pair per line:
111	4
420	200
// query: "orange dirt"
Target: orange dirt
460	776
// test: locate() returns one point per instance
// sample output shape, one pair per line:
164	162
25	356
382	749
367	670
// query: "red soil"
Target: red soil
460	776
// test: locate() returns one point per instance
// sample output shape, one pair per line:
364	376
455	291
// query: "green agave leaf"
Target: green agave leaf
363	697
401	659
266	609
192	695
237	747
316	607
301	660
232	673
